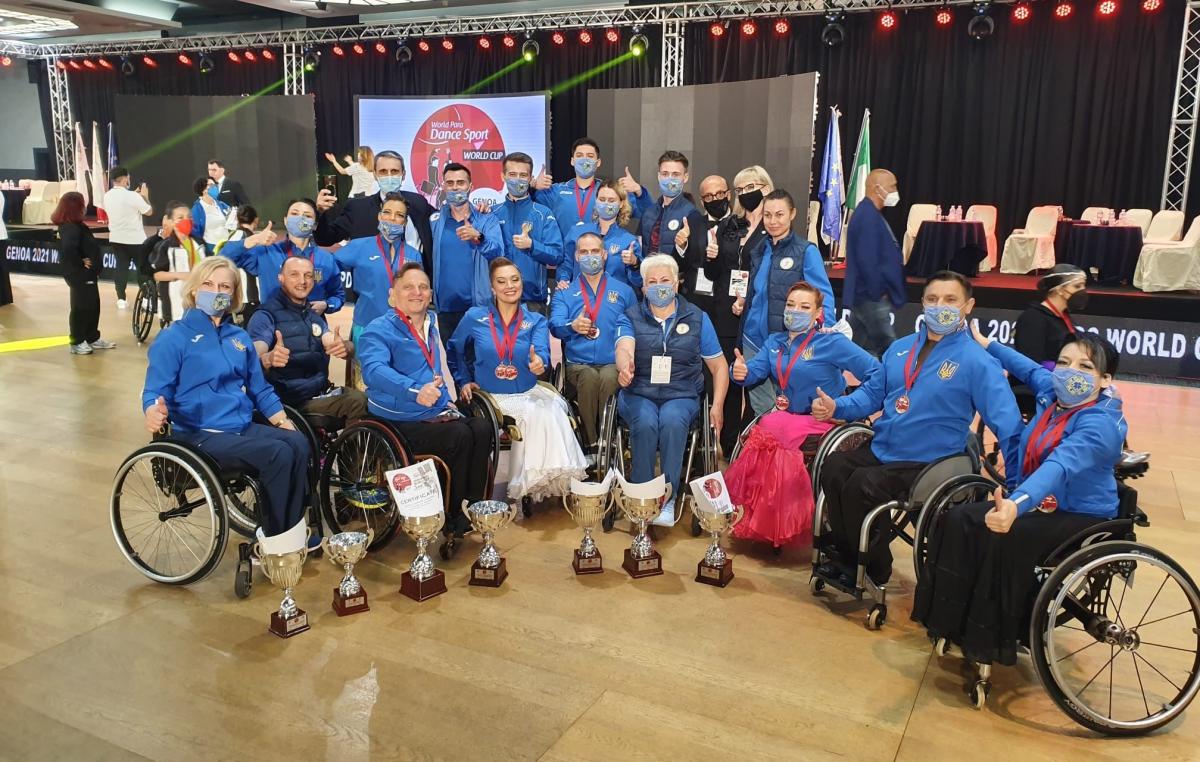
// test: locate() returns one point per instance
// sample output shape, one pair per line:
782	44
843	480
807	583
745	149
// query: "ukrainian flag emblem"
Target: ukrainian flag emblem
947	370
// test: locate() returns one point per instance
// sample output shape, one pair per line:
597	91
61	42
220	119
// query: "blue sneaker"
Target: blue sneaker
666	516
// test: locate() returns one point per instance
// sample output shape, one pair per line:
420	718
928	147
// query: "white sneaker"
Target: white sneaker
122	304
666	517
103	344
82	348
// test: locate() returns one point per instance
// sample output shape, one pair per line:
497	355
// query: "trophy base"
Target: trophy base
286	628
352	604
719	576
484	577
642	567
592	564
420	590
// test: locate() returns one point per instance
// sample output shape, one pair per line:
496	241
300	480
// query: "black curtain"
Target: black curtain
437	72
1073	113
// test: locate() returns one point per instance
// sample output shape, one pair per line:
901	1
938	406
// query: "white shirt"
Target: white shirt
363	179
125	210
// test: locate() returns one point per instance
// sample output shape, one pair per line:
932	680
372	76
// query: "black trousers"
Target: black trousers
447	324
126	253
465	445
85	311
164	300
855	483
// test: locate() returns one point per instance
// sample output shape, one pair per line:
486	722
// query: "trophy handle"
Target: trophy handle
325	547
257	552
512	513
567	502
738	512
370	536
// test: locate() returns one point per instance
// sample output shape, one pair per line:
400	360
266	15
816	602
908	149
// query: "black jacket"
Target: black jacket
78	244
731	255
1041	334
233	193
359	218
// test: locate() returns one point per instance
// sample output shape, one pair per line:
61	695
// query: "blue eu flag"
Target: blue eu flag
832	188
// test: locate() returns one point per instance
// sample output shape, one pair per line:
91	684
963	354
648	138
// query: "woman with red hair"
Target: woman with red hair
79	254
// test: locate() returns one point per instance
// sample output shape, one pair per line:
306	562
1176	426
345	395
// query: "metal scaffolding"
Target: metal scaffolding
673	45
1181	144
61	121
293	69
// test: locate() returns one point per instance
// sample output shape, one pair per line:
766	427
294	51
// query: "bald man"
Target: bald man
874	286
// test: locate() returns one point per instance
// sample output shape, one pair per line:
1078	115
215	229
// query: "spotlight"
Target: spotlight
888	20
509	41
447	44
5	61
104	62
184	59
358	49
485	43
338	50
423	46
1107	8
75	65
1021	12
404	53
1063	10
558	38
638	44
89	63
716	29
834	33
530	49
250	56
233	56
150	62
782	27
612	35
380	48
981	26
585	37
62	66
311	61
749	28
944	17
206	64
1150	6
127	67
268	55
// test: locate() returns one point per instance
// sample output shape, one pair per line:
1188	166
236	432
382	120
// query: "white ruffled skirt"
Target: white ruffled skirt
548	456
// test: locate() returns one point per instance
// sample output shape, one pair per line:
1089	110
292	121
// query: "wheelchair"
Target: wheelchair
700	458
145	308
1150	670
901	514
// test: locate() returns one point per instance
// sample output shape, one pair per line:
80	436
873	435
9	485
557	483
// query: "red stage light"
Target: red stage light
184	59
888	20
359	49
423	46
1107	8
782	27
717	29
103	62
585	37
749	28
5	61
485	43
509	41
612	35
558	38
268	55
150	62
1063	10
75	65
1150	6
380	48
249	56
944	18
61	65
447	44
338	50
1021	12
89	63
233	56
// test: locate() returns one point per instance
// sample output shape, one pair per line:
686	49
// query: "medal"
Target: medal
594	333
501	372
911	373
592	309
506	346
781	402
902	404
1049	504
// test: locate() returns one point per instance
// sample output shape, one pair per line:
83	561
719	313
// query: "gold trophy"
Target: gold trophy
422	580
587	510
345	549
716	568
641	559
489	517
284	570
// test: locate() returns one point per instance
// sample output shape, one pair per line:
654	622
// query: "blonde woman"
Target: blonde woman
622	249
362	179
205	379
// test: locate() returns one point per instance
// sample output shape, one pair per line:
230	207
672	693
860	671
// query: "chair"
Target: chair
814	215
1166	227
987	215
1031	248
41	202
1170	266
1140	217
67	186
917	213
1092	214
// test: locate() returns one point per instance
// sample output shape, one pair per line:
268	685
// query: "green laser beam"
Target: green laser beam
495	76
562	87
178	138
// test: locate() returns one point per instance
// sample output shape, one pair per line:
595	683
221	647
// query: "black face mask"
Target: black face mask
717	208
751	200
1077	302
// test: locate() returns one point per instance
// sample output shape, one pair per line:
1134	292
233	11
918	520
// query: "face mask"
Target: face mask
299	225
214	191
892	198
213	303
943	320
608	210
389	184
183	228
717	209
591	264
660	294
751	200
1072	386
797	320
670	186
392	231
456	197
1077	302
517	188
584	167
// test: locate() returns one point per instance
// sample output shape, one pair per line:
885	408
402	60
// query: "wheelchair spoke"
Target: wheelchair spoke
1137	671
1173	648
1120	603
1162	619
1152	600
1137	655
1098	672
1078	650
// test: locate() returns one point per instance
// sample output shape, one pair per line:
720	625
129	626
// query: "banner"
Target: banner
81	166
862	164
832	190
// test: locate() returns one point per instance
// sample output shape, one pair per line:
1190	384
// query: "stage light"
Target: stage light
233	56
268	55
944	17
485	43
508	41
127	67
207	64
311	60
1021	12
380	48
105	63
612	35
62	66
585	37
359	49
888	20
404	53
184	59
75	65
834	33
338	50
638	44
89	63
447	44
749	28
530	49
981	27
423	46
1063	10
782	27
5	61
148	61
1150	6
249	56
716	29
558	38
1107	8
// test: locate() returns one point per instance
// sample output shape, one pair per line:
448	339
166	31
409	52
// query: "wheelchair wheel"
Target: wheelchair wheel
168	514
1117	658
844	438
967	488
353	489
741	440
145	307
242	500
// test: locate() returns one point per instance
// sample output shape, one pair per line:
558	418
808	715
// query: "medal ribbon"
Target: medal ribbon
784	375
581	204
592	309
427	349
911	373
388	257
1061	316
288	247
506	348
1042	442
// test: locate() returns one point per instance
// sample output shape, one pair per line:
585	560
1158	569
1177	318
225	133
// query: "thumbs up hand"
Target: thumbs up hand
156	416
629	185
685	232
712	250
823	406
543	181
582	325
279	354
264	237
739	369
536	366
431	392
628	257
523	241
335	346
1000	519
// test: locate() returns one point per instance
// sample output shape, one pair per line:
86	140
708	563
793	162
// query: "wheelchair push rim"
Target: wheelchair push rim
145	308
1118	658
354	492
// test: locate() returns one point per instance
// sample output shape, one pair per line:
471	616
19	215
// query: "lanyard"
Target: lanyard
427	348
287	251
911	373
388	256
506	348
784	375
592	309
1040	442
581	204
1061	316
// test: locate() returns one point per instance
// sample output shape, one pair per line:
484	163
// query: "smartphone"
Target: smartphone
330	182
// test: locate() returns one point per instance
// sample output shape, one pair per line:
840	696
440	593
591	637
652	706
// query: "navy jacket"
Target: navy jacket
306	374
874	264
774	270
667	221
687	337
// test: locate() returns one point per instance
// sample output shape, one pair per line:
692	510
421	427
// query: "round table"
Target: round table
1112	250
959	246
1062	237
14	204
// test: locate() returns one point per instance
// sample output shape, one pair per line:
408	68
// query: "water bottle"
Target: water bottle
937	214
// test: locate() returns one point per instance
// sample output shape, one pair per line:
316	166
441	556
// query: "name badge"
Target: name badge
660	369
786	263
316	329
673	225
739	280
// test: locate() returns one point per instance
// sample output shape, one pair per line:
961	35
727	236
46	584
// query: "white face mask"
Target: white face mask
892	199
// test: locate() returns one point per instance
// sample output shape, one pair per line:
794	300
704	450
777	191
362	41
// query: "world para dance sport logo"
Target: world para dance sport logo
464	134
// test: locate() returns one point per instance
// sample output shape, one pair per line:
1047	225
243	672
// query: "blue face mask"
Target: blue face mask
213	303
1072	386
389	184
299	225
670	186
943	319
660	294
214	191
456	197
797	320
591	264
584	167
517	187
608	210
392	231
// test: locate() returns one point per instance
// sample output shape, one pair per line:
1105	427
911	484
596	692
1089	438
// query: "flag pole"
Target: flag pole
846	210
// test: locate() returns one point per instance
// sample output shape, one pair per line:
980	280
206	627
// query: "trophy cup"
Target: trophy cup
346	549
422	580
284	569
716	568
641	559
489	517
587	510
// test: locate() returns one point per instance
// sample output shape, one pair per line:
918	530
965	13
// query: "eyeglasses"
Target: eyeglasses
715	196
747	188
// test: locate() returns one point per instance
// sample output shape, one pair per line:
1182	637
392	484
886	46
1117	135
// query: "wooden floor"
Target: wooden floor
98	663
